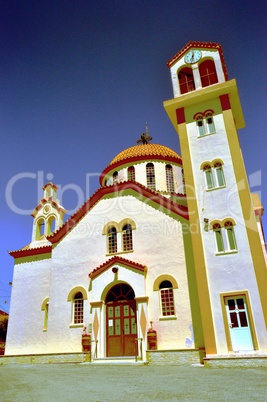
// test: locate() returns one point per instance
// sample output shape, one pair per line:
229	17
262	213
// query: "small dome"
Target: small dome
145	150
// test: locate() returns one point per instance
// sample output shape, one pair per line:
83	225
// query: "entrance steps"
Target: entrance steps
131	360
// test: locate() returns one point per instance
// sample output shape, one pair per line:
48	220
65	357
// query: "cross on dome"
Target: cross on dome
144	137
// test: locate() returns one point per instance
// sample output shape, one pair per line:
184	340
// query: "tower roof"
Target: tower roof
199	45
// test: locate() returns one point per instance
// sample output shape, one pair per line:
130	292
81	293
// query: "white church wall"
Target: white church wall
82	250
30	287
160	175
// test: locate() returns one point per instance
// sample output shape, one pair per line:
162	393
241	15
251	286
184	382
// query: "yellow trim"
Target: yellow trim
197	244
43	306
96	304
203	95
127	221
76	290
109	225
228	219
110	286
204	164
244	293
215	160
142	299
211	163
247	209
222	222
165	277
214	221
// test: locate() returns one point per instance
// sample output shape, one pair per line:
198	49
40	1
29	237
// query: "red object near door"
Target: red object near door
152	342
86	343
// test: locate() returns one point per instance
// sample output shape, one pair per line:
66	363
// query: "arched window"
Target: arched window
218	237
205	123
230	235
131	173
127	238
150	176
210	125
225	237
201	127
208	176
169	178
186	80
112	240
78	308
219	174
166	298
115	177
51	225
40	228
214	176
208	73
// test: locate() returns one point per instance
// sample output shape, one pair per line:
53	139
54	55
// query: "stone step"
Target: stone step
119	360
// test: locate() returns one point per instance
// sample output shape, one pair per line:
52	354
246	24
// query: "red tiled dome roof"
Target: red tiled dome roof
145	150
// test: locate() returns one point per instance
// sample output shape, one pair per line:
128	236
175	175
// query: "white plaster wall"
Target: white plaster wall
30	287
160	175
158	244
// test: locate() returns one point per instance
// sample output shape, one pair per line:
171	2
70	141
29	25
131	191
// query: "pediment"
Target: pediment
116	262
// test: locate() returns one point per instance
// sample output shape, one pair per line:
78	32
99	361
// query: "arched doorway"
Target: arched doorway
121	329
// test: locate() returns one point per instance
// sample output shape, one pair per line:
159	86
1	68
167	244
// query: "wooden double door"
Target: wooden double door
121	328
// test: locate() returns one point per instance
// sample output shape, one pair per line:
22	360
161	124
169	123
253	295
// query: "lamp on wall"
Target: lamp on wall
206	224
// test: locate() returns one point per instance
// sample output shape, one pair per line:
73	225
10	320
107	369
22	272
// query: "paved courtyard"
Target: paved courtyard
74	382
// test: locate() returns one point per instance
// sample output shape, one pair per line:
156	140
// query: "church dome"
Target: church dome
131	164
145	151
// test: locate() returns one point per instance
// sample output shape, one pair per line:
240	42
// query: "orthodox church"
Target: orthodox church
166	261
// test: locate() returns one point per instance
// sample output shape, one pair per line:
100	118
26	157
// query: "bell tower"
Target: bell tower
229	263
48	216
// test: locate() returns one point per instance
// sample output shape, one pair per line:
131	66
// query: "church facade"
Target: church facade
168	249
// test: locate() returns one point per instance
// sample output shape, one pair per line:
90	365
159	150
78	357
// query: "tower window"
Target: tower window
210	125
112	240
166	298
78	308
214	176
208	176
131	173
150	176
231	242
218	237
219	174
169	178
224	237
201	128
208	73
186	80
127	238
205	126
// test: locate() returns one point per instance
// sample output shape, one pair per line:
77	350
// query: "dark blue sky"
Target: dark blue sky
79	80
